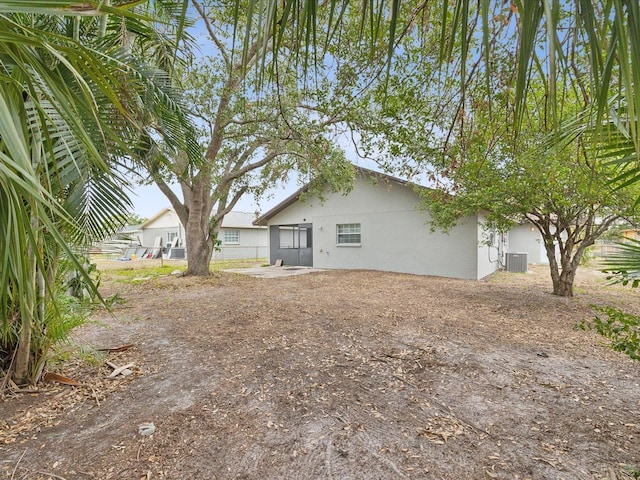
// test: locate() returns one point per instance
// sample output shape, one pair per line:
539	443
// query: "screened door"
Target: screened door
292	243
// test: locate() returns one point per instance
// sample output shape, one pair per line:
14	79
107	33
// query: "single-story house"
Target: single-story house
240	238
378	225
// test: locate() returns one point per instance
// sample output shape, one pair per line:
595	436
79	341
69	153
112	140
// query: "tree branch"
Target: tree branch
212	34
236	197
233	175
178	206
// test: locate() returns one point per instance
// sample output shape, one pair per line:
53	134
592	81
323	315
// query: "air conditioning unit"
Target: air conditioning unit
177	253
516	262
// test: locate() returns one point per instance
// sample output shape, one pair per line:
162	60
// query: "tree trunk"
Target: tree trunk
199	251
563	284
200	245
194	215
28	311
570	266
564	274
550	248
23	350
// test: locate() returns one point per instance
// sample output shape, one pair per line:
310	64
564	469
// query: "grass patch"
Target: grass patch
64	354
218	265
127	274
139	271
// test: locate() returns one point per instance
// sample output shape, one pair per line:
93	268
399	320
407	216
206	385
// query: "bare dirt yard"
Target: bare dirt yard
337	375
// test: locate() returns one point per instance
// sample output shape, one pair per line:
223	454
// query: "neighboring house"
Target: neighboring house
379	225
240	239
630	234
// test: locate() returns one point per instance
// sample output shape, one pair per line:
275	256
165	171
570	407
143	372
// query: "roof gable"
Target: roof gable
157	217
360	171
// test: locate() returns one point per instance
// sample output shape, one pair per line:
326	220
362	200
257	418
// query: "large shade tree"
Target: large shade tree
564	193
258	126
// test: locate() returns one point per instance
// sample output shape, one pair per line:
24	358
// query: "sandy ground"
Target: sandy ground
337	375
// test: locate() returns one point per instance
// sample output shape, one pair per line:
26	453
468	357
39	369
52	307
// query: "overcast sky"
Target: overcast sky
149	200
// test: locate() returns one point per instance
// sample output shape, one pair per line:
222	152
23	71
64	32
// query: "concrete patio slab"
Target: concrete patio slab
274	272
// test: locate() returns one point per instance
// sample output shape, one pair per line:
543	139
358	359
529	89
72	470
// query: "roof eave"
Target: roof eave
291	199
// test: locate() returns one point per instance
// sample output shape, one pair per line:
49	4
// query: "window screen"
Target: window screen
348	233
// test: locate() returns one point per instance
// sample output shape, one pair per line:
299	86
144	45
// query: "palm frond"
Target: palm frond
623	266
66	7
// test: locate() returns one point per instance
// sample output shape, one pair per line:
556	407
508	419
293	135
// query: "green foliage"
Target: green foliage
62	315
80	284
220	265
592	44
614	233
70	118
131	275
128	274
621	328
587	257
66	352
623	266
70	313
632	471
135	219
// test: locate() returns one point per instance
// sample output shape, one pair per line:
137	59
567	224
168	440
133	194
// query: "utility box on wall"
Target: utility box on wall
516	262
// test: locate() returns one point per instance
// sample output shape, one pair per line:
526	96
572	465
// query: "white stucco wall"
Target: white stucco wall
253	244
395	234
254	241
489	249
526	239
149	234
167	220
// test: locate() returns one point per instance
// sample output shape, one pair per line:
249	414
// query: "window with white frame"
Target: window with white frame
231	237
348	234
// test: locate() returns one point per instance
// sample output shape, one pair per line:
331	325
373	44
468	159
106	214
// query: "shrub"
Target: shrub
621	328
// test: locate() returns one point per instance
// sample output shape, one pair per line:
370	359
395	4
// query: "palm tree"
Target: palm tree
70	117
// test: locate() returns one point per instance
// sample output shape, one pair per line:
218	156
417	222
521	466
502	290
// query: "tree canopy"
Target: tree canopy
591	42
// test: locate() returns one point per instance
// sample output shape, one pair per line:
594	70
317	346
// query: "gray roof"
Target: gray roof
232	219
239	220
